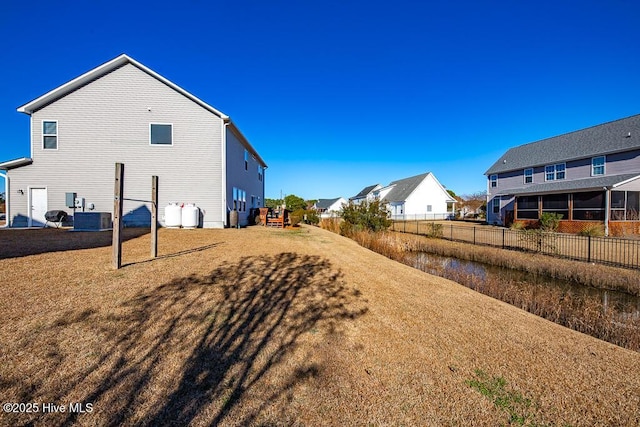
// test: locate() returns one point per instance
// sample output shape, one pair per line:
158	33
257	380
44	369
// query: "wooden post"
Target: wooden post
117	216
154	216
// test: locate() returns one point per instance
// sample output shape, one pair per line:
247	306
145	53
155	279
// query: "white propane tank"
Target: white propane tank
190	216
173	215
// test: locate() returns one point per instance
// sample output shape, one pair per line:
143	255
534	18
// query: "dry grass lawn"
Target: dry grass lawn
282	327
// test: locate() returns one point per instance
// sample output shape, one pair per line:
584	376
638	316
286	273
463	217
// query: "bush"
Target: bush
550	221
593	231
307	215
364	216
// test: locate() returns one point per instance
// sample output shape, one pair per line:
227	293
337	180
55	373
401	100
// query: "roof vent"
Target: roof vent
629	135
504	161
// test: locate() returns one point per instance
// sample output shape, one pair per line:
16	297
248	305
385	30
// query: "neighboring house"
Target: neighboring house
590	177
416	197
124	112
329	208
367	193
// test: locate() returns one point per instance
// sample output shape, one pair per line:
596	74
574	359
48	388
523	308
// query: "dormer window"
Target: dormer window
597	166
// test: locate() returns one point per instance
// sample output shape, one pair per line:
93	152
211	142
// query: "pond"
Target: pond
535	293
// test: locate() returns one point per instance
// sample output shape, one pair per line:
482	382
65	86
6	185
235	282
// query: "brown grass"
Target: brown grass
281	327
588	274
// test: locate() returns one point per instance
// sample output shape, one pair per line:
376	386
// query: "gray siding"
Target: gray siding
107	121
239	177
615	164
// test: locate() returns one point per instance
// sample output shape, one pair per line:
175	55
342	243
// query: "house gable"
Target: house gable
100	122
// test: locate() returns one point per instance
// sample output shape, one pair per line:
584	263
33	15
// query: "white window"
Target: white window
50	134
160	134
246	160
260	172
239	200
555	172
528	176
597	166
494	181
496	205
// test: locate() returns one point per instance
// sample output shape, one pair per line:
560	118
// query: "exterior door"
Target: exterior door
38	201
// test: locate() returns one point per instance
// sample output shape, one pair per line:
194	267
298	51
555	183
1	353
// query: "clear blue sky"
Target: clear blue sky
338	95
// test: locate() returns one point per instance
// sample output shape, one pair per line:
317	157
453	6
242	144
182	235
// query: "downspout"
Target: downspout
223	148
6	200
607	196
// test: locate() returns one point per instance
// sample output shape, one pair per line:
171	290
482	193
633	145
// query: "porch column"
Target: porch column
607	197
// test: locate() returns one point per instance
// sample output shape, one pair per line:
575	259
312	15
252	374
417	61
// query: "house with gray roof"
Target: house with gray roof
417	197
367	193
590	177
124	112
328	208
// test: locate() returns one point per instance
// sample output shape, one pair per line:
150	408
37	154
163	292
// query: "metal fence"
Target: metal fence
422	217
603	250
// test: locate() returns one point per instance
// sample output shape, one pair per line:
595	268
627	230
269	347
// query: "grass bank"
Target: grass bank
580	313
269	327
395	244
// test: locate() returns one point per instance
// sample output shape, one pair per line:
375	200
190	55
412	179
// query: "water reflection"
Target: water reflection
480	277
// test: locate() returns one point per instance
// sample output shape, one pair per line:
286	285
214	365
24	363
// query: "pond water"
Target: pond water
486	278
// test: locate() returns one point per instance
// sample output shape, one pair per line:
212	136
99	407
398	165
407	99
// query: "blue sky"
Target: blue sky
338	95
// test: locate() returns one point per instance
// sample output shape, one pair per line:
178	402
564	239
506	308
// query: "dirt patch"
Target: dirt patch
282	327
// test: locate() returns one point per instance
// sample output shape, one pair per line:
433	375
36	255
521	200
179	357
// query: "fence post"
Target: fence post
474	235
503	232
589	249
451	231
417	226
154	216
117	216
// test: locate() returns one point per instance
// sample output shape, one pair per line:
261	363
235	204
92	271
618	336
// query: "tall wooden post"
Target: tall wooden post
154	216
117	216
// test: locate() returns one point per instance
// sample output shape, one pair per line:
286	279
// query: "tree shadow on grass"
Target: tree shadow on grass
16	243
207	349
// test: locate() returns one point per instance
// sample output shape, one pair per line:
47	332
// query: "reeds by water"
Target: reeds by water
586	315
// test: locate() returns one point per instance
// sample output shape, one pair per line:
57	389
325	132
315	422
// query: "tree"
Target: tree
273	203
364	216
294	202
474	202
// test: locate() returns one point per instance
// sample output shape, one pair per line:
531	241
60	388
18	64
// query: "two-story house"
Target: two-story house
329	208
123	112
590	177
417	197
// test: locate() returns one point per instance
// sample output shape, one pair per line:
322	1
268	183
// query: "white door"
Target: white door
38	198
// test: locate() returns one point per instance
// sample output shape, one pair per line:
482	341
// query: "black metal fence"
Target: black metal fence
602	250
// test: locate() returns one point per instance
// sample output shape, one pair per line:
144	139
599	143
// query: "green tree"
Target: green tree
294	202
273	203
364	216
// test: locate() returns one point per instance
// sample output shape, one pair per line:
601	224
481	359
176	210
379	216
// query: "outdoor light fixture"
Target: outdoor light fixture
20	191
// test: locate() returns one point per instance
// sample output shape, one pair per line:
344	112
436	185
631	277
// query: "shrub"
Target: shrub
364	216
592	230
550	221
306	215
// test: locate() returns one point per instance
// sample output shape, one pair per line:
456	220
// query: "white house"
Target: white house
329	208
367	193
123	112
417	197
